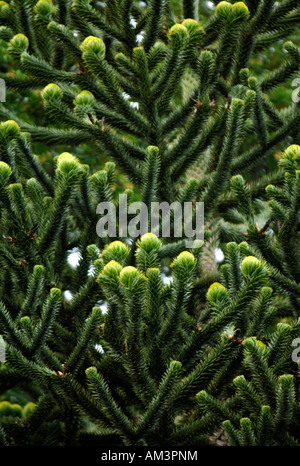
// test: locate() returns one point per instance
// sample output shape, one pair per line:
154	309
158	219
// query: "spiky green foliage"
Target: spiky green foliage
126	54
142	342
266	398
267	388
51	339
276	238
148	356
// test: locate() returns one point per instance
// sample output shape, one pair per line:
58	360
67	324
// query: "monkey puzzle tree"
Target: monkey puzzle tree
109	351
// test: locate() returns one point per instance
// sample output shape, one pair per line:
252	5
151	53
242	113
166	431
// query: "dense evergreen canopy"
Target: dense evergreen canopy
144	341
